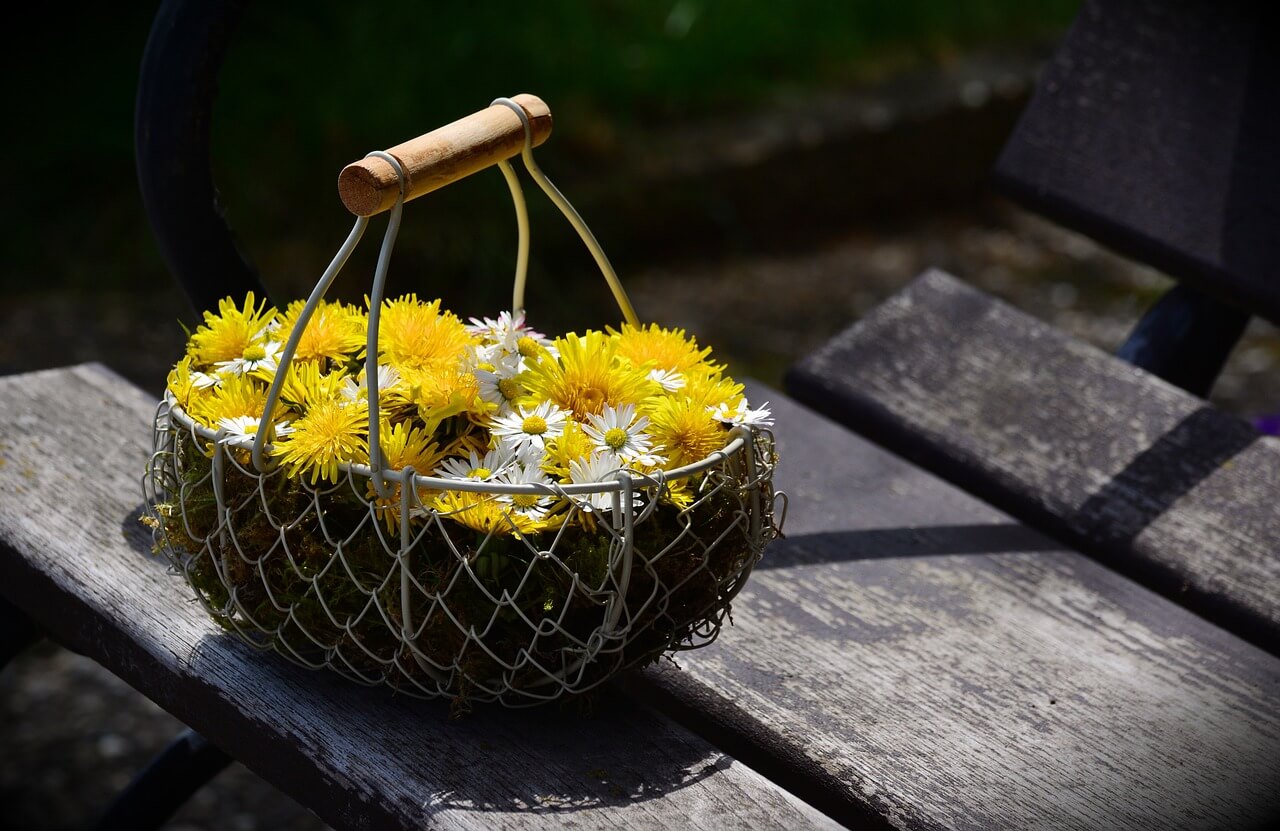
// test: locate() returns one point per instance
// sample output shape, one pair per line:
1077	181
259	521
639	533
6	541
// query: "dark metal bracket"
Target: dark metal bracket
1185	338
168	780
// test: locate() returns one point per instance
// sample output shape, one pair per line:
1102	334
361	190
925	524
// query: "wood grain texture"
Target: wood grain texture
444	155
1154	130
919	658
1149	478
73	557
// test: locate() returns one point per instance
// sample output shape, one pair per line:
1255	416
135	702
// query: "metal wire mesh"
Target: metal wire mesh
458	603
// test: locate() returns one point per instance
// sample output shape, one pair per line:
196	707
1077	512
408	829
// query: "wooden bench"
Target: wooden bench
1151	130
910	656
907	655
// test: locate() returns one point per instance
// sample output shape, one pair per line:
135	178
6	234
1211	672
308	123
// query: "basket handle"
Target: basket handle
469	145
444	155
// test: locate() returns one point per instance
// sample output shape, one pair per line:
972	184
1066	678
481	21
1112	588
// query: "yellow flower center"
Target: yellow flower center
528	347
255	352
534	425
615	438
509	388
480	473
592	398
525	500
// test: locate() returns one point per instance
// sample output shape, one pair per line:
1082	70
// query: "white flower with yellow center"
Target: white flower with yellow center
598	467
500	386
533	505
742	415
240	431
481	468
668	379
621	433
388	378
509	335
257	356
527	431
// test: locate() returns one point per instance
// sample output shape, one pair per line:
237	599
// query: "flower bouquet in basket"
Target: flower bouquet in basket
477	511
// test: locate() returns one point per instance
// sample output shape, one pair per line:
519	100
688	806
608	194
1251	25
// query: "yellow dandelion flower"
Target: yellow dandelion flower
654	347
331	432
180	383
710	389
336	331
679	493
234	397
684	431
417	335
483	512
226	335
587	375
305	385
403	445
439	393
573	445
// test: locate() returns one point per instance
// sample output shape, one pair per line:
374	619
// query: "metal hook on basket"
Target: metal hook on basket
377	463
570	213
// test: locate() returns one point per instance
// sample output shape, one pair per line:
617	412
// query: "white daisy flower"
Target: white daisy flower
668	379
496	329
242	430
510	336
483	355
256	356
742	415
524	430
500	385
506	328
621	433
532	505
203	380
485	468
598	467
388	378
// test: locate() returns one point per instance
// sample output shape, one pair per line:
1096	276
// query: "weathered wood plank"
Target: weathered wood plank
921	659
1151	479
1154	130
72	555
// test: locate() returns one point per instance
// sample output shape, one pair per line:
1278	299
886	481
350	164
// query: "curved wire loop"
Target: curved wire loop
570	213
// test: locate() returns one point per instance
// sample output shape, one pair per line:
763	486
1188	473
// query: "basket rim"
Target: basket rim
624	478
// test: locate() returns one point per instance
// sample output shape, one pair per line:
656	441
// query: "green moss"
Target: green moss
312	574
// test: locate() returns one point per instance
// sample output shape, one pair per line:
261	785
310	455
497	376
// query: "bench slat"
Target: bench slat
71	555
927	662
1149	478
1154	130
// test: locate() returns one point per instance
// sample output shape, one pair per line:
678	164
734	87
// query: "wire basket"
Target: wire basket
372	578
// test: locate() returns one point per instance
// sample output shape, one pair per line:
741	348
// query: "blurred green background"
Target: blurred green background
309	86
761	173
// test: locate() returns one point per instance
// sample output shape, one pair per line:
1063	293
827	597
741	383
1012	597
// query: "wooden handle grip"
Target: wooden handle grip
452	152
